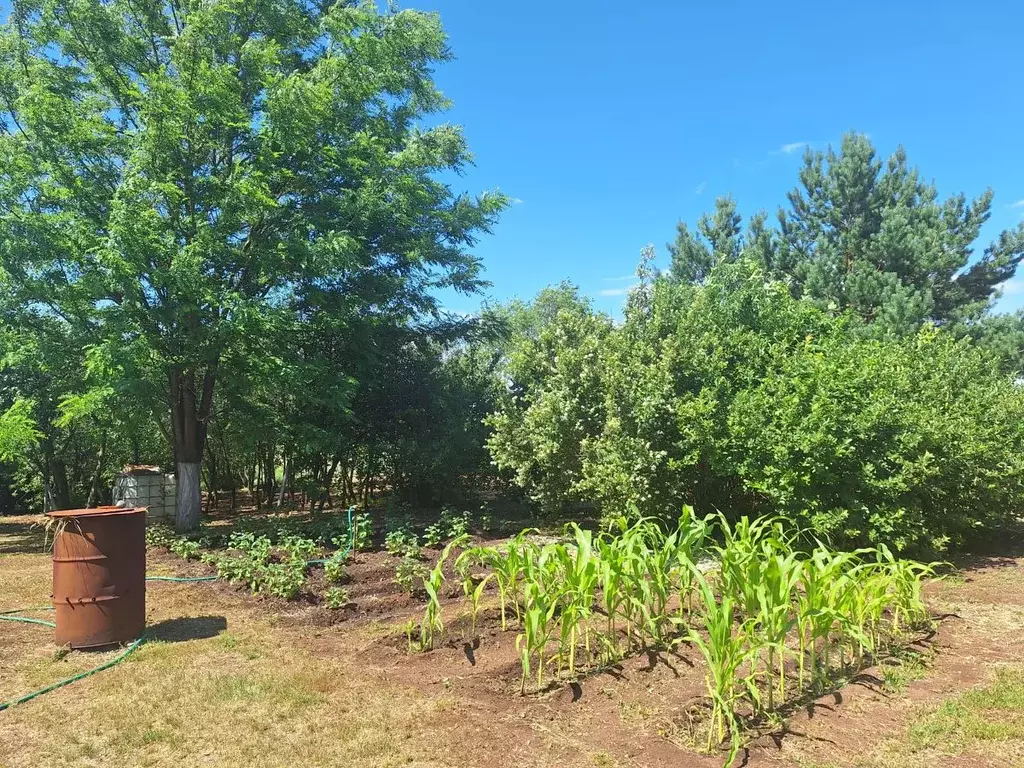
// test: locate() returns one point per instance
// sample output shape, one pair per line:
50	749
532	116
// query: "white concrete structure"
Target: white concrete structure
146	487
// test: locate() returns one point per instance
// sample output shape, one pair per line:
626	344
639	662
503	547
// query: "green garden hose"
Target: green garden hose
26	610
9	616
27	620
74	678
348	549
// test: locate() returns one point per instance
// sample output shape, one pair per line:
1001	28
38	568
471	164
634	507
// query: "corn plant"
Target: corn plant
824	602
433	623
906	578
727	650
472	586
507	565
775	617
837	605
579	575
692	536
538	612
610	576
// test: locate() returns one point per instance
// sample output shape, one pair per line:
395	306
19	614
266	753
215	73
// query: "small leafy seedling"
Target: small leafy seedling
336	597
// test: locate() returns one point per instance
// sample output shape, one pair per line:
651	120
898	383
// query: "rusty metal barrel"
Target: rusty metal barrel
99	576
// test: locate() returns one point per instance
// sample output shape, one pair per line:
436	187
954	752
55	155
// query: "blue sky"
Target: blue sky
610	122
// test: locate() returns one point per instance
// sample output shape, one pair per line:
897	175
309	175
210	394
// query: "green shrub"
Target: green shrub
408	572
735	396
253	564
400	540
915	442
185	548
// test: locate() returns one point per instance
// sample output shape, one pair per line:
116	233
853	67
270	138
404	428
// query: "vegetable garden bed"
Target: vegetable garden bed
774	621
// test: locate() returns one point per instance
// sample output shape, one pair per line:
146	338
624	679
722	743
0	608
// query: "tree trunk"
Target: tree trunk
269	472
56	485
47	490
348	481
327	485
230	473
286	478
95	492
212	479
189	412
252	475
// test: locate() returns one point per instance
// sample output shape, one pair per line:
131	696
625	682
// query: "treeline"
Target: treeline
843	369
401	413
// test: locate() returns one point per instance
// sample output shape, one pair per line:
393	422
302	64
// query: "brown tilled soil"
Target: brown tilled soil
283	683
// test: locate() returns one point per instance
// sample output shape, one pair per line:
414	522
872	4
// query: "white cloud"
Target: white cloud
616	291
789	149
700	188
1018	204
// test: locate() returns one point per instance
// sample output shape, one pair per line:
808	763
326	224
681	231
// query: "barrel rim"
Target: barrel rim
96	512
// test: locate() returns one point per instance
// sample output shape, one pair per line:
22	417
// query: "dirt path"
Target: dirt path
232	680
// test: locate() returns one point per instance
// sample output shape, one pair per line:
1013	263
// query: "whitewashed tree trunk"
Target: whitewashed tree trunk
190	497
189	411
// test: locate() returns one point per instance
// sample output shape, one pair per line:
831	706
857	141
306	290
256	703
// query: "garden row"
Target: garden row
274	555
749	597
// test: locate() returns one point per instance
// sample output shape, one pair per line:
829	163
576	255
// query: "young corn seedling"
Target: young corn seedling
822	604
610	575
906	579
472	586
433	624
692	538
726	651
577	571
507	565
775	616
538	613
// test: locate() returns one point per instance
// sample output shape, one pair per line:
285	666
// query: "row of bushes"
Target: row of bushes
736	396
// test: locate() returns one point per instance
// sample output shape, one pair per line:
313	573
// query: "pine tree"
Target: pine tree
868	237
875	239
716	240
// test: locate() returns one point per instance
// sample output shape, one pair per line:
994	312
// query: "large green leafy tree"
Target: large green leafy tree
179	178
553	399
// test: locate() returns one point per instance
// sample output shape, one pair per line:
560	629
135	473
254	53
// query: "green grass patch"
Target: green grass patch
902	669
972	720
284	695
229	641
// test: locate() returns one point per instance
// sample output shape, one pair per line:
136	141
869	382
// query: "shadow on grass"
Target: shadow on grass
21	538
187	628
